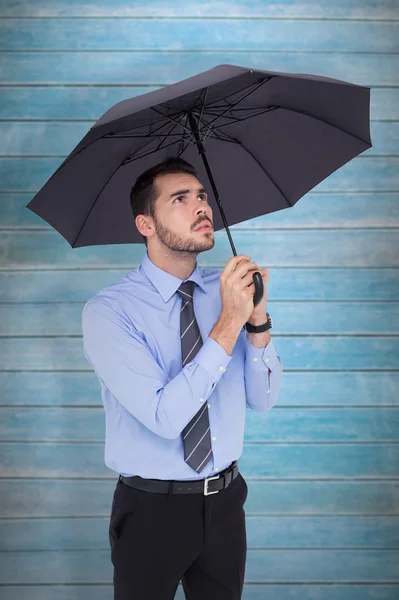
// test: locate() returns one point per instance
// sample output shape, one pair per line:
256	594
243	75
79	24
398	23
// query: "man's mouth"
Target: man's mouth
204	227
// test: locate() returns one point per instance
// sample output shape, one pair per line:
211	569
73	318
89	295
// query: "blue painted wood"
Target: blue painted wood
328	210
256	591
151	68
283	460
198	34
323	484
362	174
82	388
315	248
323	9
91	533
62	497
315	318
58	139
84	103
320	352
311	284
327	425
276	565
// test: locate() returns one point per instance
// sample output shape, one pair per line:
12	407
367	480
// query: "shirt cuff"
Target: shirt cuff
213	357
257	358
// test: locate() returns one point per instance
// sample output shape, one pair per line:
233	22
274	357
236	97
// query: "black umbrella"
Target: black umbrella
270	137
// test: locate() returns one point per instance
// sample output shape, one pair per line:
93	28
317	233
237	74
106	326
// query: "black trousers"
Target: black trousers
158	540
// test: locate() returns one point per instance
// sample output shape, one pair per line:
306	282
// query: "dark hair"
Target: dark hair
144	192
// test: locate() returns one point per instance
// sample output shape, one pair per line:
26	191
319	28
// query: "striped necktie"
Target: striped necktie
196	434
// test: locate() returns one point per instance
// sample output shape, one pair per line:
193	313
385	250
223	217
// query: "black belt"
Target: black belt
209	485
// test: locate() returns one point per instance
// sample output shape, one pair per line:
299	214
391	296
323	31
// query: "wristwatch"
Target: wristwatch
260	328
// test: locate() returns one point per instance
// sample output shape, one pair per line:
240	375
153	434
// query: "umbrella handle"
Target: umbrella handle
258	282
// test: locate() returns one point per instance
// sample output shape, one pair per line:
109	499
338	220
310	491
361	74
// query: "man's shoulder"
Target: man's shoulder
112	297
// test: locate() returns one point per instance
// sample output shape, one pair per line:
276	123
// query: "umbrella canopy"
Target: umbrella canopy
269	138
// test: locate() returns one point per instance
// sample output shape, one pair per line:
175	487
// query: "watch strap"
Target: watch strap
260	328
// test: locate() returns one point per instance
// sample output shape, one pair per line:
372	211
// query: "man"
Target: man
177	370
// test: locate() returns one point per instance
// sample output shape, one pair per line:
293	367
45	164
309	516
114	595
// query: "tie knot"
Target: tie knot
186	289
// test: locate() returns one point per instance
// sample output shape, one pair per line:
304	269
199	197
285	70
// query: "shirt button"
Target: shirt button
266	360
221	368
255	359
209	406
201	399
268	391
214	438
216	468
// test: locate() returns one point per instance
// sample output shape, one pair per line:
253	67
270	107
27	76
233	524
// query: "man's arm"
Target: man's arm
263	371
125	363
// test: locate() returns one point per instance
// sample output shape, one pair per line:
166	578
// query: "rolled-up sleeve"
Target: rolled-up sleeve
126	365
262	364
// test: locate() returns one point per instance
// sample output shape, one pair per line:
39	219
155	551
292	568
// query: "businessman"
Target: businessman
178	370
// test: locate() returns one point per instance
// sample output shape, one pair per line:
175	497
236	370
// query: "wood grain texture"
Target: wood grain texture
300	248
149	68
322	466
254	591
279	460
301	388
303	424
85	104
58	139
327	533
322	9
24	498
198	34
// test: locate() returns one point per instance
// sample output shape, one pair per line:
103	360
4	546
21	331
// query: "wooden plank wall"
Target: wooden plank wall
322	467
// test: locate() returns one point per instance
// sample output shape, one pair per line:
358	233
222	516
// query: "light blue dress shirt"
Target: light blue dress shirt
131	338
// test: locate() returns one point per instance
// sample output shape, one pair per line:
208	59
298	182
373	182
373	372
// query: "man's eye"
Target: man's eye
180	197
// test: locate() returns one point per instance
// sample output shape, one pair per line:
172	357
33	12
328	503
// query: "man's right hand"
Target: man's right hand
237	288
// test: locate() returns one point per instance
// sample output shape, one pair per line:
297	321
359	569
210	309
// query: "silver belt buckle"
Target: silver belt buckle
206	493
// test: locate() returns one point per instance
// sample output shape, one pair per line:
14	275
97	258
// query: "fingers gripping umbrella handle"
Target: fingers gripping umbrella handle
258	282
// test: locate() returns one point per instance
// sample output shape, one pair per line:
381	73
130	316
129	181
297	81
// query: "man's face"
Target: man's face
180	209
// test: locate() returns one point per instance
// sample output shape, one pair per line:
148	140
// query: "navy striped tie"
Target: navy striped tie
196	434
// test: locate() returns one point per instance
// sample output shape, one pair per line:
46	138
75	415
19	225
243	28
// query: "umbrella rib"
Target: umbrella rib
301	112
150	134
173	120
211	128
236	120
133	157
240	91
235	141
146	145
241	99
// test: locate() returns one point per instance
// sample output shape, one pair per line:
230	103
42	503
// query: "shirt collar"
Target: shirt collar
166	283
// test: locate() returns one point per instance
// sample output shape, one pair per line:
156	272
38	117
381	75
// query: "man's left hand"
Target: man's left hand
258	315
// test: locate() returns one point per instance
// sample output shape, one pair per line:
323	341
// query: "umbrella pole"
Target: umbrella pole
257	277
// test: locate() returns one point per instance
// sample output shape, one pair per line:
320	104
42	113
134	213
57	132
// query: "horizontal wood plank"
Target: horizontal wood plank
314	210
198	34
58	139
362	174
357	461
61	497
311	284
324	353
309	318
295	566
149	68
322	425
255	591
300	388
300	248
347	9
85	104
372	532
